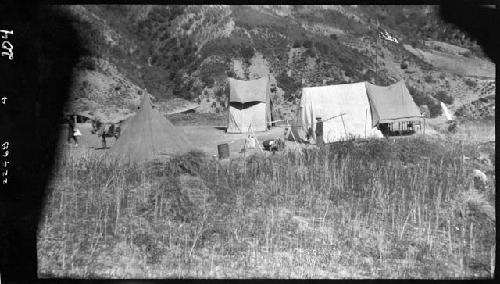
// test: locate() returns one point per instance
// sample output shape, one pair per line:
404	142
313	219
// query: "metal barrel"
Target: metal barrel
223	150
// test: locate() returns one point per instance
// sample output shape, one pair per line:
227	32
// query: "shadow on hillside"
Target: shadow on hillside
478	21
37	83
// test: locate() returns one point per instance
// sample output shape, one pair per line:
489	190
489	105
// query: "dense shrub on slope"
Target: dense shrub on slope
424	99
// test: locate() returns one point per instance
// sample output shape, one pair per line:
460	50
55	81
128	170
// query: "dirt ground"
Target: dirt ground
204	138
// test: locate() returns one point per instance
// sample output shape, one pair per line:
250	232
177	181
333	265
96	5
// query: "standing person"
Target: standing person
73	132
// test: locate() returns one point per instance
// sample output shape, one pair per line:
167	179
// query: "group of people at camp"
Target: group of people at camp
103	130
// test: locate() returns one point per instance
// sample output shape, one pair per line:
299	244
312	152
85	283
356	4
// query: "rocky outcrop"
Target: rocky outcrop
480	109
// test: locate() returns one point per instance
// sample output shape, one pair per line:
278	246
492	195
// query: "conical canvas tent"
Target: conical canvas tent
345	110
249	105
148	135
392	104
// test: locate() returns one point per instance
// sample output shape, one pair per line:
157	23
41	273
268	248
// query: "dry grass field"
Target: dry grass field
406	208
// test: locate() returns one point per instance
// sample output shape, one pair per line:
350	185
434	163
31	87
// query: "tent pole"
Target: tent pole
290	131
376	50
255	136
319	132
345	130
366	118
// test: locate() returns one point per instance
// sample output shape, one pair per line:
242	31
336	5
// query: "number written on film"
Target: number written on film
7	47
5	163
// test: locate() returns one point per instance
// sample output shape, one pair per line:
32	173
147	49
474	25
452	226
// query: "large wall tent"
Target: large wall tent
249	105
148	135
345	110
392	104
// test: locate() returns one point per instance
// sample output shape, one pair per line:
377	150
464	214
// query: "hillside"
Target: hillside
189	51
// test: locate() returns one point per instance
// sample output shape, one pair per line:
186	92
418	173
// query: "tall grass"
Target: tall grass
476	132
381	209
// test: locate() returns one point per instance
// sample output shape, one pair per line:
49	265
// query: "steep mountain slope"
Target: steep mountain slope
189	51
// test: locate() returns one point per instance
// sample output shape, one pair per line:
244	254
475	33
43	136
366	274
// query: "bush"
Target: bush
322	48
415	43
471	83
220	93
429	79
87	63
307	44
369	75
208	81
231	74
288	85
435	109
444	97
422	99
310	53
348	72
419	97
467	54
247	52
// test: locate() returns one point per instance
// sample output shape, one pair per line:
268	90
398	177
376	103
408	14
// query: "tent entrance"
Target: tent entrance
242	115
249	104
400	128
242	106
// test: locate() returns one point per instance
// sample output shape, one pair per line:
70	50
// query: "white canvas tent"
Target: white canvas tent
249	105
345	110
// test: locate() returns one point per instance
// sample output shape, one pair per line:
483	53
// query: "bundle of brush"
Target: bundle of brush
452	126
474	205
274	144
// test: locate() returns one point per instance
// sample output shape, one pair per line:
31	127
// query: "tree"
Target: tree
444	97
288	85
247	52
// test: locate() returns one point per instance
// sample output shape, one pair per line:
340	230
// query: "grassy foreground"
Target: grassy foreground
380	209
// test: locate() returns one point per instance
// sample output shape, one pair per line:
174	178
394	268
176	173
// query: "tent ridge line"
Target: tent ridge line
399	117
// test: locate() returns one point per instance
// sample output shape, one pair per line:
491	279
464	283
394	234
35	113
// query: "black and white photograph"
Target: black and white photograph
248	141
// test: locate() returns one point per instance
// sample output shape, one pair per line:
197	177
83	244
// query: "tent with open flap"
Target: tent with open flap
392	104
249	105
